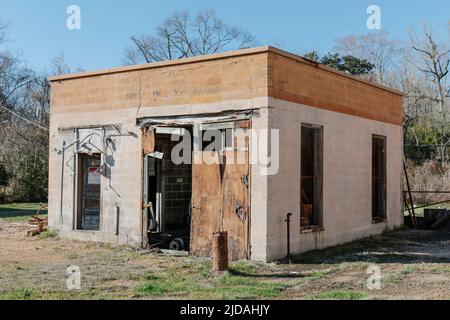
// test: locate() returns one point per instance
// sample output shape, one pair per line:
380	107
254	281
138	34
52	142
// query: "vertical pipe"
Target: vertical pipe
117	219
74	192
288	225
75	183
61	218
144	213
220	251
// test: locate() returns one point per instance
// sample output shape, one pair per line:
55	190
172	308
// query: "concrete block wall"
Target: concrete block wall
347	150
294	80
122	188
286	89
118	188
183	87
181	83
176	189
258	191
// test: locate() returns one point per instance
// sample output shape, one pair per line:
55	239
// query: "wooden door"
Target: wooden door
221	201
235	186
206	204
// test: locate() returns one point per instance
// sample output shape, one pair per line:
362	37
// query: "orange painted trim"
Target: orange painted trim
218	56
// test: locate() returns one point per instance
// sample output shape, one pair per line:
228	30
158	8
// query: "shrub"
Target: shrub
32	178
429	176
4	180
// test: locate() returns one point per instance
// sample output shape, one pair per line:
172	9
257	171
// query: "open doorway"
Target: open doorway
167	194
185	204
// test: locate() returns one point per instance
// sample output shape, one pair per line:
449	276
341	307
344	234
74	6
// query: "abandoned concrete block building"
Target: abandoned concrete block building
335	155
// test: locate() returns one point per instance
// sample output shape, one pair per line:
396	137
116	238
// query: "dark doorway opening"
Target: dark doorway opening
185	204
167	195
88	215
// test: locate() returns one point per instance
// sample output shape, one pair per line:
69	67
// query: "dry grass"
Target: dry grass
429	176
413	265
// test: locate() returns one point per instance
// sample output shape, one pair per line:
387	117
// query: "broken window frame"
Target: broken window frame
379	197
156	207
225	128
316	223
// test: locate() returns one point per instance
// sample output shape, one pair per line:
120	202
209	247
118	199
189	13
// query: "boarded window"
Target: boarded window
378	178
311	177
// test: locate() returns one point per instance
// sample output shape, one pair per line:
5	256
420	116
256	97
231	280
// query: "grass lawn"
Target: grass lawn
20	212
339	295
195	281
413	265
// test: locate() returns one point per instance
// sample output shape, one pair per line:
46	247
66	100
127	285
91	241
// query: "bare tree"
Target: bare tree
376	47
181	36
59	65
24	108
3	32
14	76
432	60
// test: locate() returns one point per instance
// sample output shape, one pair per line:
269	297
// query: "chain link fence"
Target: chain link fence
428	170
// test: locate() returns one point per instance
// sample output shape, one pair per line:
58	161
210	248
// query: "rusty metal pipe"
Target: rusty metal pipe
220	251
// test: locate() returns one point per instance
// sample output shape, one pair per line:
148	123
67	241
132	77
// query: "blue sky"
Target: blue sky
38	28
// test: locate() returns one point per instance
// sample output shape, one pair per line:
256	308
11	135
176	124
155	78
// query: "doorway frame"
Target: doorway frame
196	121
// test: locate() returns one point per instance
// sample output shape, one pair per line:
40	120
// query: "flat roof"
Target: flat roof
218	56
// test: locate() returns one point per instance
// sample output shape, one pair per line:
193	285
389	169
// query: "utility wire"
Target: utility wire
24	119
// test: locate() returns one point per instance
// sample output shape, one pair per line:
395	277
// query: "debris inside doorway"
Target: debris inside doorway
433	219
165	241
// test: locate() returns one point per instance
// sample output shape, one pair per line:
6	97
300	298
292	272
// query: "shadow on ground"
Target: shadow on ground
16	213
290	275
403	247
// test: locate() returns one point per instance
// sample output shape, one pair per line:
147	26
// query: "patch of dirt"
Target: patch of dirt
413	265
41	264
17	248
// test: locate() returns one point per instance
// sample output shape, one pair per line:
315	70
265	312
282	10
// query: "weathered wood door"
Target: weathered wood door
221	201
235	188
206	204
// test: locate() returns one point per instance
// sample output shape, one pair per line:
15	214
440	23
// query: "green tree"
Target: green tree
4	180
348	63
32	178
4	176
